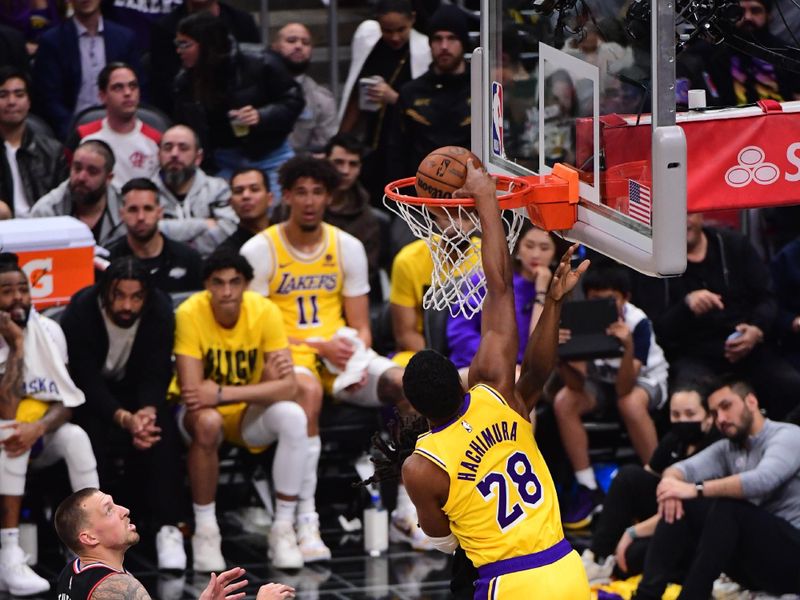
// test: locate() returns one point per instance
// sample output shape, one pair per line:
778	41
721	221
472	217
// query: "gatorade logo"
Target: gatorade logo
40	275
752	168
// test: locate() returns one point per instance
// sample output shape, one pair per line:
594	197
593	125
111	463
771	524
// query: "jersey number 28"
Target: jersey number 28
518	474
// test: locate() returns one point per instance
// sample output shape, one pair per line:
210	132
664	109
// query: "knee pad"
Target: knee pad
78	455
13	473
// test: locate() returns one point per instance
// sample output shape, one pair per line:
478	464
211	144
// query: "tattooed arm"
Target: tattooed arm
11	380
120	587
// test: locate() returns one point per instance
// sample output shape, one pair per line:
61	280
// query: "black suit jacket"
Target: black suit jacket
57	70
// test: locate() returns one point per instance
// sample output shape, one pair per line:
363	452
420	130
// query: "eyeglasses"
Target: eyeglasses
183	44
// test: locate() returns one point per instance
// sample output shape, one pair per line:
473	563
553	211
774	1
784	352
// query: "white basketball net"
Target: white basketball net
453	237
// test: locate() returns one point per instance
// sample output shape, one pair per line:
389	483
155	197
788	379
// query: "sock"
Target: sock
306	504
205	516
403	501
585	477
284	510
9	538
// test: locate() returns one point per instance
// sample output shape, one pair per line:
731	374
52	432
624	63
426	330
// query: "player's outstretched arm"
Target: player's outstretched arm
541	351
495	361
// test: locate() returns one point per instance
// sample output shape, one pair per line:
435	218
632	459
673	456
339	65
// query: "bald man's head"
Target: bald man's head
293	42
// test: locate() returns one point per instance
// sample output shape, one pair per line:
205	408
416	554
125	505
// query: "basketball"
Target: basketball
443	171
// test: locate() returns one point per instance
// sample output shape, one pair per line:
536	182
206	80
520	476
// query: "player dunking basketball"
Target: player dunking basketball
477	477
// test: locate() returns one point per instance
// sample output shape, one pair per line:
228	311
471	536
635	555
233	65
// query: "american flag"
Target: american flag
639	203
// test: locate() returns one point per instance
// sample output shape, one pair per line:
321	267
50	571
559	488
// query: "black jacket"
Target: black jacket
733	269
432	111
259	79
178	268
149	368
42	166
164	62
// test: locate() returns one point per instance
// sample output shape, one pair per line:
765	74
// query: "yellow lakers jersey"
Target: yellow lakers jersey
502	501
308	290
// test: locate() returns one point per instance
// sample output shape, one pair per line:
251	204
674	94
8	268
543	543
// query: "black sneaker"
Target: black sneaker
580	509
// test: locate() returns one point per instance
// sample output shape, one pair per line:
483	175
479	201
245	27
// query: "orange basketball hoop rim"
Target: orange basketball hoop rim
517	191
551	200
453	235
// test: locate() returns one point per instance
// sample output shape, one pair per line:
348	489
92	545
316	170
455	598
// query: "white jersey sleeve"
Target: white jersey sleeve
354	266
259	253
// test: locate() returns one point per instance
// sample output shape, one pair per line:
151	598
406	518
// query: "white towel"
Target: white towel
356	365
45	374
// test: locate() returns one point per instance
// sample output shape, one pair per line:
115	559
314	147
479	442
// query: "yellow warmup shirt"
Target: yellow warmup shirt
502	501
230	356
411	275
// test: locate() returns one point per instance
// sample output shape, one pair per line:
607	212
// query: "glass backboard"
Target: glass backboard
575	87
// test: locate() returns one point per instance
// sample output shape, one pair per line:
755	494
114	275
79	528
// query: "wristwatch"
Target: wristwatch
699	487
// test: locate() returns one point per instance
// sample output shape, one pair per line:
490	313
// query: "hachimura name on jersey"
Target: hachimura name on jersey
481	444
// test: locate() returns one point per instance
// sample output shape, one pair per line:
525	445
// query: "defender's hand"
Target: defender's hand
565	278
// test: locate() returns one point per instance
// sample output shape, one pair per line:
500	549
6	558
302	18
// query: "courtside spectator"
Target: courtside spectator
717	317
243	105
70	58
733	507
636	382
630	509
350	209
37	396
236	382
433	110
87	194
195	204
318	122
173	266
32	163
251	201
165	64
533	257
119	335
135	144
390	52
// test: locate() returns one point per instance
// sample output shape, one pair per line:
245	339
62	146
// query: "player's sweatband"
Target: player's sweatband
446	544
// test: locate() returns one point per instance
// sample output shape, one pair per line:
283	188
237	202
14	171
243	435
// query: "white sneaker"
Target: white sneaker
169	546
311	545
283	551
207	551
17	577
727	589
170	587
598	572
405	529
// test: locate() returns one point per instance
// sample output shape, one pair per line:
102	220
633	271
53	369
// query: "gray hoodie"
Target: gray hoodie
185	221
58	202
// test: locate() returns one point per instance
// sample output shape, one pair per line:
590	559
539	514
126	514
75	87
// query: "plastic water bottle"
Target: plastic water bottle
376	519
376	530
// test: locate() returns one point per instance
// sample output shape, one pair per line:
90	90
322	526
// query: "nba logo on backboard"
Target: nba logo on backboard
497	120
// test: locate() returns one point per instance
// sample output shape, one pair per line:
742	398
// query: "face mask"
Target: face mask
689	432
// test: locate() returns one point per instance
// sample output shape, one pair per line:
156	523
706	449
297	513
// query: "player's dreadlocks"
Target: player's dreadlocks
389	458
